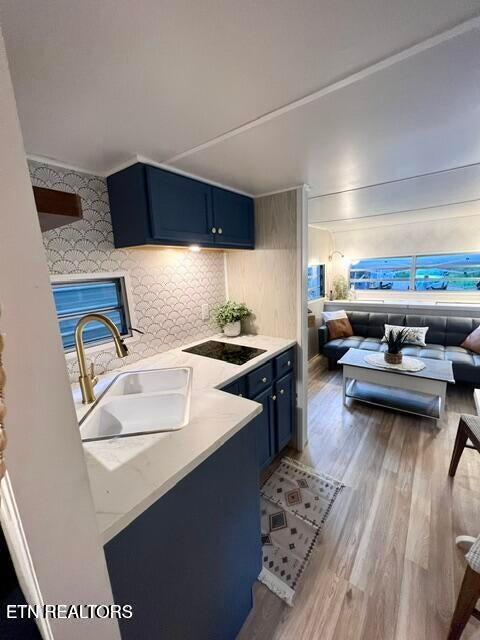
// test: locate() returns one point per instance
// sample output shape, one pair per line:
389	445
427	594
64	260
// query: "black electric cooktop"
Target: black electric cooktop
232	353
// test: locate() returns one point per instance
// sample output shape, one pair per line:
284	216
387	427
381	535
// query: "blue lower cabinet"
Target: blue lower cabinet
274	388
188	563
264	426
284	410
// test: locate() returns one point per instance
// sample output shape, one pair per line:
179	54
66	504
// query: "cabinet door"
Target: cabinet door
284	411
233	219
180	208
264	428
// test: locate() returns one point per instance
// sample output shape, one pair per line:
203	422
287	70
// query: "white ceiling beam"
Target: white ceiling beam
405	54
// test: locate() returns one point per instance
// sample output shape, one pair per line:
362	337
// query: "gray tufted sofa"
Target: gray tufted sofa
444	336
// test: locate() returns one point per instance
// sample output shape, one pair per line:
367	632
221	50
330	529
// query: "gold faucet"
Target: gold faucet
88	380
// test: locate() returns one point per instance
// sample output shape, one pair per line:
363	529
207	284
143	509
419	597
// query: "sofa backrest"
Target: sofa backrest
444	330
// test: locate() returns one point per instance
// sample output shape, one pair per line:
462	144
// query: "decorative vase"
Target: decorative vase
393	358
232	329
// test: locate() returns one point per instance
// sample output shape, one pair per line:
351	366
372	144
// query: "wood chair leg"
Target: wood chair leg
331	364
460	442
467	599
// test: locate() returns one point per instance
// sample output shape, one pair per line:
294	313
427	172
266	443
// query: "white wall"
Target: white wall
44	455
441	236
169	286
266	279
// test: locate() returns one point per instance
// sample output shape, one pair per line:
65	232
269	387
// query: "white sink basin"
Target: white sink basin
140	402
150	381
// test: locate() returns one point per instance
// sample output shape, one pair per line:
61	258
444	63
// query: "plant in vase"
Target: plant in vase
229	316
395	341
340	288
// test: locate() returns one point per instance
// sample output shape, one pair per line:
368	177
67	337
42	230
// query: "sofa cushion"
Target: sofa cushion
458	329
337	348
372	325
436	326
465	364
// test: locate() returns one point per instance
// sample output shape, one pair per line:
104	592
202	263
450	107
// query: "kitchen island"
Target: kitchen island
179	511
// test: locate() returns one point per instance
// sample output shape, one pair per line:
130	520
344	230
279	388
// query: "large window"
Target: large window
76	298
446	272
316	281
381	273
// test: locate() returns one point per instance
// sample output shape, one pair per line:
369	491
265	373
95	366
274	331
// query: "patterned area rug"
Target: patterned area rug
295	503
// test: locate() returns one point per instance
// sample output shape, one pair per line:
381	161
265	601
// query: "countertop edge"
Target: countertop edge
117	527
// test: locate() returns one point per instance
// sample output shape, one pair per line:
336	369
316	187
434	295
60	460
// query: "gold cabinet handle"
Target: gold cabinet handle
282	391
220	230
214	230
264	380
274	398
288	363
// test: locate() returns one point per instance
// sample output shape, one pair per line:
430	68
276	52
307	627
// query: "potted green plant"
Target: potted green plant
229	316
395	341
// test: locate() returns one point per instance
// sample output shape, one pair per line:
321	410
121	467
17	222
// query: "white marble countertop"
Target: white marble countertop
127	475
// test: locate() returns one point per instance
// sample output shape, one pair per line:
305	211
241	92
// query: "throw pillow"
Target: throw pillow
415	336
472	341
340	328
333	315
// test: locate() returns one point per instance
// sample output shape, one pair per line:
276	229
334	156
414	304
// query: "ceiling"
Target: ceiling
199	85
427	197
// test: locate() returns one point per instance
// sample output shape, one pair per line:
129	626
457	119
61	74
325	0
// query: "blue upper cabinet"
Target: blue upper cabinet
233	219
153	206
180	208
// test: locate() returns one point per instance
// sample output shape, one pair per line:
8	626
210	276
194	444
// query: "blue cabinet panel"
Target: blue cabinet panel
284	410
188	563
180	208
127	193
264	425
233	219
236	388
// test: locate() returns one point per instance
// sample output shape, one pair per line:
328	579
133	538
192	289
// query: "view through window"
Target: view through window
75	299
445	272
316	281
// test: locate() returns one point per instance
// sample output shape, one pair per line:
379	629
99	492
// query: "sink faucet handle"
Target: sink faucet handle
93	377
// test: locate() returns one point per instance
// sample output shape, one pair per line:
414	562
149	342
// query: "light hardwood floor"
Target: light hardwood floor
387	567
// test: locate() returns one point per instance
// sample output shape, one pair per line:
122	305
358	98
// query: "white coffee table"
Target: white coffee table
421	393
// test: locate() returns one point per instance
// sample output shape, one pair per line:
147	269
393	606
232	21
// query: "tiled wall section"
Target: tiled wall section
169	285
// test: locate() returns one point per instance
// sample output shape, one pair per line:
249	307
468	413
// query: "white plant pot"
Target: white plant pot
232	329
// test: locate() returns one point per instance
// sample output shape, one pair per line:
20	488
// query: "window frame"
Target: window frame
322	276
127	298
402	291
442	291
412	280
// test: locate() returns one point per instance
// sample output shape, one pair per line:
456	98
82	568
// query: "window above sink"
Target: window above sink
78	294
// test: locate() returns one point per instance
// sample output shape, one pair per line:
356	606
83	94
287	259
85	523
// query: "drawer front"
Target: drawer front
284	363
259	379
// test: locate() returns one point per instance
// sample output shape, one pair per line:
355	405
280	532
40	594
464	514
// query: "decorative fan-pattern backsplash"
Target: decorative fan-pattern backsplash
169	285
